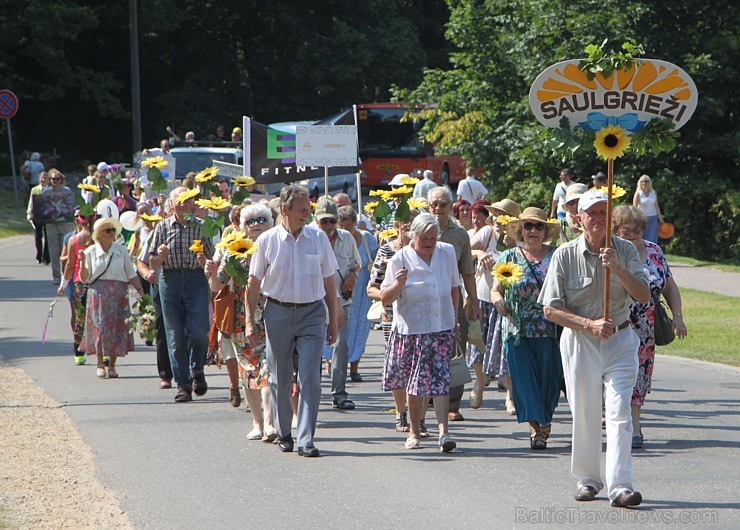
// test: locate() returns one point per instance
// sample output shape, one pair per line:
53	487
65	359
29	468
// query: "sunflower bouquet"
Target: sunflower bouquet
383	213
236	260
508	273
143	319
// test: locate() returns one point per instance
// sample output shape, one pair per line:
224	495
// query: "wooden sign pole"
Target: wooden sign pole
607	242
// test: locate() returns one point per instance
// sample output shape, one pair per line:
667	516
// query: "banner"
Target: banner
630	99
272	152
54	207
326	145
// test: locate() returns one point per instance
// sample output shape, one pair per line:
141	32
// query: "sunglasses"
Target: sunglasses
110	230
328	220
256	221
537	226
56	178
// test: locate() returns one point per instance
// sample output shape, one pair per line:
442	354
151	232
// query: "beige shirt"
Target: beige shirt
575	280
348	258
121	267
458	237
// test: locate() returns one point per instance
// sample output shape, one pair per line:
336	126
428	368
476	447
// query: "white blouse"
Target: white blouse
646	203
484	276
425	302
121	268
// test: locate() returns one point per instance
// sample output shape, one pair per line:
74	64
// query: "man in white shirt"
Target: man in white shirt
558	197
348	257
470	188
425	185
294	269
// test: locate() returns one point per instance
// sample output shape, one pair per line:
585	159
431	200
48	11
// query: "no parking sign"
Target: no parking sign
8	104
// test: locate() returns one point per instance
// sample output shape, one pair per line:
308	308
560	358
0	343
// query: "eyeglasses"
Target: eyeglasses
110	230
256	221
439	204
537	226
56	178
625	230
328	220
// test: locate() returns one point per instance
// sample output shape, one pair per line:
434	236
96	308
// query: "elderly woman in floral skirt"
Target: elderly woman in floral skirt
422	283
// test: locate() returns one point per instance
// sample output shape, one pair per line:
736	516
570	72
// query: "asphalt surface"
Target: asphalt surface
190	465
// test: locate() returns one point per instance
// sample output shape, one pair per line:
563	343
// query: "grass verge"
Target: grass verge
725	267
713	330
13	222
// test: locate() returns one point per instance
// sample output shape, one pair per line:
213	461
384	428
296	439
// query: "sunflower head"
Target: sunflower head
418	203
154	161
88	187
230	238
214	203
401	191
207	174
197	246
409	181
508	273
370	206
243	182
504	220
152	218
617	191
242	248
611	142
187	195
388	234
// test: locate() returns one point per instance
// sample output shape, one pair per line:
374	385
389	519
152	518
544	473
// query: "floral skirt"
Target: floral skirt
106	331
419	364
491	324
78	329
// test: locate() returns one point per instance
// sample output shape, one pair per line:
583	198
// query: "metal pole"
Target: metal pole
12	164
607	243
326	181
135	88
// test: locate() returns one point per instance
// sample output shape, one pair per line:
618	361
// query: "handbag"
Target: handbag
224	310
664	333
459	369
375	312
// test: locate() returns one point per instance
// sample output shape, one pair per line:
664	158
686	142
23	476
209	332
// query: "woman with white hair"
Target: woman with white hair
107	269
422	283
646	199
254	220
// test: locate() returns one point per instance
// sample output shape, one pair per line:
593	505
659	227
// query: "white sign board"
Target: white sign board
630	99
326	145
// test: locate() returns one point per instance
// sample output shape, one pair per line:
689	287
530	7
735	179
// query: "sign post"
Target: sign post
8	109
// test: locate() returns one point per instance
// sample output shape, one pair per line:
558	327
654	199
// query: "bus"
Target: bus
389	146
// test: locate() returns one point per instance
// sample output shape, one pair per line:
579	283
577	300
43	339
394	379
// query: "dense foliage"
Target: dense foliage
502	45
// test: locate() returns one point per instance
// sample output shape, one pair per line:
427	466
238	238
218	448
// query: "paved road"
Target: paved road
706	279
189	465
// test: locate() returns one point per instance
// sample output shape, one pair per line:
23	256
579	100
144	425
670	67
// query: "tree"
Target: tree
482	111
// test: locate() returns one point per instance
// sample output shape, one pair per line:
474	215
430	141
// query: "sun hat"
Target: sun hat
589	198
505	205
102	166
574	192
131	221
102	223
326	208
398	179
536	215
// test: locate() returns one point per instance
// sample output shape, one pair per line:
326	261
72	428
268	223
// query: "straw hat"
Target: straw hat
574	192
104	222
505	205
535	215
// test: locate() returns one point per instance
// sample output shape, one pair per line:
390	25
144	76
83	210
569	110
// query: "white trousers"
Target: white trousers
593	367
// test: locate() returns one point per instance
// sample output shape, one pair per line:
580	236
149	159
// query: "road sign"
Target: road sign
8	104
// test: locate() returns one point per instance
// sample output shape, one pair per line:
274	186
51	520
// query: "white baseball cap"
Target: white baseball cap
102	166
398	179
590	198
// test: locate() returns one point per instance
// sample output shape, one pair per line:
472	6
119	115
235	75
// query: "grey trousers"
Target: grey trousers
55	233
302	330
339	359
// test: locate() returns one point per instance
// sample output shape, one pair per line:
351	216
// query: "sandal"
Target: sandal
538	436
402	422
100	372
112	374
423	433
412	443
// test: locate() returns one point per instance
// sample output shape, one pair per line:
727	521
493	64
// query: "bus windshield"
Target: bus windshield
382	134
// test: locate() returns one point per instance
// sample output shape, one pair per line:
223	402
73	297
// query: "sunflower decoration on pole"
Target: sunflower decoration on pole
394	204
612	102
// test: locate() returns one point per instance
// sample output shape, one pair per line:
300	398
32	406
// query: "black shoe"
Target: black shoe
355	377
200	387
347	404
285	444
183	395
309	452
627	498
149	343
586	493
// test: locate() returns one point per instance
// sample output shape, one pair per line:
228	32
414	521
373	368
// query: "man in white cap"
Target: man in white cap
599	355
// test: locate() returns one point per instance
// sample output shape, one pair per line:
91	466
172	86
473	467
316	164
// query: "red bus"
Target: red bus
389	146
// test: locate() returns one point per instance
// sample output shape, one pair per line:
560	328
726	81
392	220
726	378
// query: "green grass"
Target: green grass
726	267
13	222
713	324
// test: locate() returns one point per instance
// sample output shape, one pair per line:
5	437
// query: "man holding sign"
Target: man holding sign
599	355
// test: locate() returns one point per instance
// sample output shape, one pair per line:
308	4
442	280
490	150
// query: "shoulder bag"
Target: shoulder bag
459	368
224	310
664	333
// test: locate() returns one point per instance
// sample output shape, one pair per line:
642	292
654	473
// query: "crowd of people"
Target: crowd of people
517	293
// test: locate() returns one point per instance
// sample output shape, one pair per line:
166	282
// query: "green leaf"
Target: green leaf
403	212
211	226
239	195
86	210
382	210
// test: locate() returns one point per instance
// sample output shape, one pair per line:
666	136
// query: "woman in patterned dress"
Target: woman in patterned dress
422	283
629	223
255	219
108	270
531	346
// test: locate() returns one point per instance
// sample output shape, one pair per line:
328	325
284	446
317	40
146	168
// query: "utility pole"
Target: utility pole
135	88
